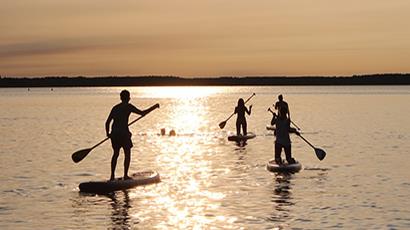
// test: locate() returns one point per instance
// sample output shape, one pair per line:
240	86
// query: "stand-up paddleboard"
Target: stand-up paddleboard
107	186
273	128
241	138
287	168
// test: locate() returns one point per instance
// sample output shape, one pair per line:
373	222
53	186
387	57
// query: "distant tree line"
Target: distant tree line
64	81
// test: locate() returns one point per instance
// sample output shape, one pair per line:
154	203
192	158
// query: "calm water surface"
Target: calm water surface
207	182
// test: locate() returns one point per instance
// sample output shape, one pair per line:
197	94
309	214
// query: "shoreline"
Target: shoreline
81	81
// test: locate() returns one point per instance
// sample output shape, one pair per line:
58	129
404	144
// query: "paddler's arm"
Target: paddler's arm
293	130
107	124
144	112
273	113
248	111
289	112
136	110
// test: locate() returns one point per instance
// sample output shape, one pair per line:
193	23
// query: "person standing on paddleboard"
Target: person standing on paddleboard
120	134
282	141
240	109
282	104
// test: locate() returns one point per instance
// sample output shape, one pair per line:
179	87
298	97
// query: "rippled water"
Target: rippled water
207	182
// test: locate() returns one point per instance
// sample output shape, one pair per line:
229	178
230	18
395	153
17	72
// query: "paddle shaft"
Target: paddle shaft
132	122
95	146
290	120
245	103
295	124
307	141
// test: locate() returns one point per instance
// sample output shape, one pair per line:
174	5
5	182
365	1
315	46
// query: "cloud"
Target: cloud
121	44
24	49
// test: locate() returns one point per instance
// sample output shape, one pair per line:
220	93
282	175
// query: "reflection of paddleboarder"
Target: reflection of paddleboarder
282	141
240	109
120	210
120	134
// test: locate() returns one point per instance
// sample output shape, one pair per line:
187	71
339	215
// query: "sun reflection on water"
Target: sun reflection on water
185	197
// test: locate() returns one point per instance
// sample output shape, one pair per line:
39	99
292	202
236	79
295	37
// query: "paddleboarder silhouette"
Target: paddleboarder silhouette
240	110
282	141
120	135
282	104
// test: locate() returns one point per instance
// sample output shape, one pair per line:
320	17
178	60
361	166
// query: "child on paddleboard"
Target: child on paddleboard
240	110
282	141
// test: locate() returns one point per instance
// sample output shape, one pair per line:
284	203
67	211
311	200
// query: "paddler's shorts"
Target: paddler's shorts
121	141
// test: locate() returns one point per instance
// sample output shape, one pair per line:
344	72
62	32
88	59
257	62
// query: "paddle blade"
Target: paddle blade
79	155
320	153
222	124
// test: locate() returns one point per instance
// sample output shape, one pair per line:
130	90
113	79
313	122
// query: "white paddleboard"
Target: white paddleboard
241	138
289	168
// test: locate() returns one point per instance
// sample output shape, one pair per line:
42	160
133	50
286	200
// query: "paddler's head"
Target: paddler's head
280	97
241	103
125	96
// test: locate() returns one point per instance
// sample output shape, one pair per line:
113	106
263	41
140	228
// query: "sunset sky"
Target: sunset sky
203	38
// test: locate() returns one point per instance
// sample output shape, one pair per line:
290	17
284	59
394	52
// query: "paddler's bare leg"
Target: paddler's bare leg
114	163
127	160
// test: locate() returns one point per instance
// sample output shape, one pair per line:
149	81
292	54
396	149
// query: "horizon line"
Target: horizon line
202	77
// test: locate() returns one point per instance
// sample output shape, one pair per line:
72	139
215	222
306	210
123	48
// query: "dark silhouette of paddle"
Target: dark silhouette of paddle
223	123
290	120
295	124
320	153
81	154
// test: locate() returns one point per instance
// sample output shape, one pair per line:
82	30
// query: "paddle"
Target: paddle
295	124
81	154
320	153
290	121
223	123
271	111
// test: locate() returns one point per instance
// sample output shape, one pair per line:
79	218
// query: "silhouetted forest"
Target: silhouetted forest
63	81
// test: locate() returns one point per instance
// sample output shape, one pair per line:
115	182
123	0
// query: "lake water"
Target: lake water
207	182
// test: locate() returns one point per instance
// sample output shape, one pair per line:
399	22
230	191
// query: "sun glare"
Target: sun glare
178	91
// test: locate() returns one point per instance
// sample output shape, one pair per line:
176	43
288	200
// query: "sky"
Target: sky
204	38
